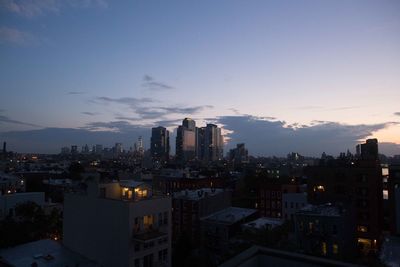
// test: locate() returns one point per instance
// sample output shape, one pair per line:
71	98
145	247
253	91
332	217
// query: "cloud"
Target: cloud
34	8
119	126
145	108
267	137
132	102
151	84
90	113
397	113
5	119
75	93
15	36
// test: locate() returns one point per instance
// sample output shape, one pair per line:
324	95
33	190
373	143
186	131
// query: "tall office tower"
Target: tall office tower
200	133
213	143
368	150
159	144
239	154
118	148
74	149
186	141
4	147
99	149
139	148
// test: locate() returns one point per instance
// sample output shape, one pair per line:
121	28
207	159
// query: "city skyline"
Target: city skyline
279	76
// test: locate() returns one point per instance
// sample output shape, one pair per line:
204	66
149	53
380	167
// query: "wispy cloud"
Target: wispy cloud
150	83
131	102
34	8
147	108
76	93
397	113
16	37
90	113
5	119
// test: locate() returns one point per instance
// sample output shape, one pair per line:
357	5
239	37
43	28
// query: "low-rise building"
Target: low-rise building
326	230
219	227
292	202
119	224
191	205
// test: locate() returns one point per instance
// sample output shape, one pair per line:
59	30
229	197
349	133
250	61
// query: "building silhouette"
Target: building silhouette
159	144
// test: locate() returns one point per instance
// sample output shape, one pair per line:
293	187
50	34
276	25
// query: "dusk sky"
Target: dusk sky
281	76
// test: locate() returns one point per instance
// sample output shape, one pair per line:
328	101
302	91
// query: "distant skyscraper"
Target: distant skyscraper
4	147
159	144
98	149
213	143
186	141
139	148
239	154
368	150
118	148
74	149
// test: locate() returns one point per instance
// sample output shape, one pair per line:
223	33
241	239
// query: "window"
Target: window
362	228
165	254
311	226
166	217
148	261
285	204
160	220
148	221
323	248
335	249
137	262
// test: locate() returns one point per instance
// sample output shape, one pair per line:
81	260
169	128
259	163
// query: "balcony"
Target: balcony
149	236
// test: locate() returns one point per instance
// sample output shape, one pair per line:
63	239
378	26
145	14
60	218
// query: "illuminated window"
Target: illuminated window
323	248
335	249
141	193
148	221
362	228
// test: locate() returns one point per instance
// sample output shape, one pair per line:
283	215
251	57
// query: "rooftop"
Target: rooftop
45	253
260	256
263	222
197	194
230	215
320	210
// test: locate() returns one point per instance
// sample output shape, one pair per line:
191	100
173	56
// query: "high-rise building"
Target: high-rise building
213	143
99	149
118	148
186	141
368	150
239	154
139	147
74	149
159	144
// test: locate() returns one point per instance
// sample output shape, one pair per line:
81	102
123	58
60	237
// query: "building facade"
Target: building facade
119	224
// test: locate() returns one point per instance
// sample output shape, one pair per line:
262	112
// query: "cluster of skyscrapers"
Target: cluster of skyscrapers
192	143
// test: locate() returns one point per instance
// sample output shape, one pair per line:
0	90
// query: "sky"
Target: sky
281	76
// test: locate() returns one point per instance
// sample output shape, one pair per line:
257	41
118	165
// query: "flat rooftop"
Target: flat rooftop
230	215
44	252
197	194
257	256
320	210
263	222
